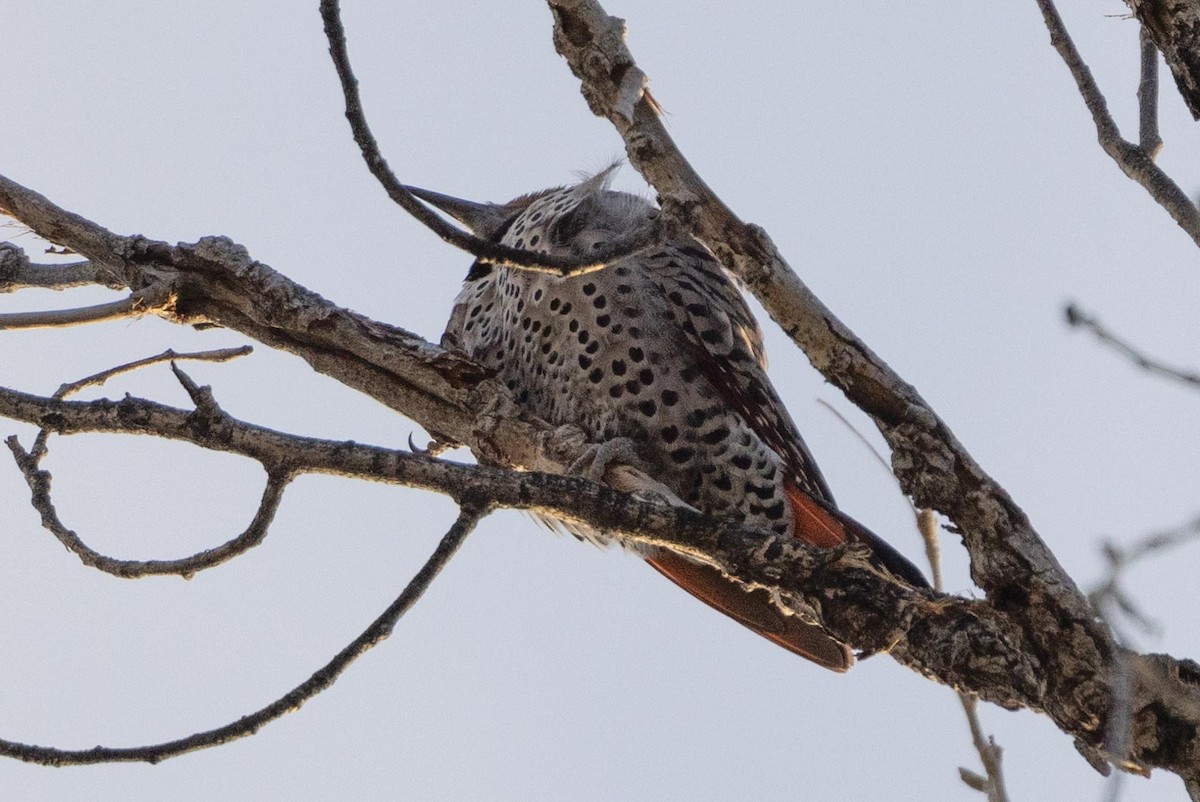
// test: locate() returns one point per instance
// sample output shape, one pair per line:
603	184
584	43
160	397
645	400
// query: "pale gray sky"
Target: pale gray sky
929	170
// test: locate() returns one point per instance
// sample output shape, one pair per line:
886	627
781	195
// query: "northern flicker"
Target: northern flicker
659	348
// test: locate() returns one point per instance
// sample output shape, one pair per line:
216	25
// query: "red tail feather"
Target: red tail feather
814	524
754	610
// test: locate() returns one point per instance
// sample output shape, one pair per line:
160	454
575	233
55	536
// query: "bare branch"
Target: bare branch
867	608
926	520
989	753
593	44
323	678
39	482
490	251
1001	650
57	225
1148	137
1108	593
17	272
1082	319
153	300
217	282
965	643
1135	162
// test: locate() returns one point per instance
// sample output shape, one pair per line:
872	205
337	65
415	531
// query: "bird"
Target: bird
656	349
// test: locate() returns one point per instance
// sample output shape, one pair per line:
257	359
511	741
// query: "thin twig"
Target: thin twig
39	482
491	251
1079	318
323	678
926	520
1149	139
1112	603
1109	594
989	754
989	751
97	379
169	355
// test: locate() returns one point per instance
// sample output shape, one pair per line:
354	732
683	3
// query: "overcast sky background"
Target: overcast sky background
928	169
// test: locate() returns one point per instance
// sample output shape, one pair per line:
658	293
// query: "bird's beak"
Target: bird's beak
484	219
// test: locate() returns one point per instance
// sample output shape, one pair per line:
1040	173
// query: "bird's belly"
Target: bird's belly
615	382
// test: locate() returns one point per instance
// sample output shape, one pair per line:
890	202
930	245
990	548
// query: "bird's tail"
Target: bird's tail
818	524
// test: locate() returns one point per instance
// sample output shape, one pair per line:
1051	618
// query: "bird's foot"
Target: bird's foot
599	458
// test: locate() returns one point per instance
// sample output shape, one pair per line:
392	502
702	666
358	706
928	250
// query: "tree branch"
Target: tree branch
1135	162
1034	642
492	252
1008	560
970	645
169	355
1148	137
39	482
1082	319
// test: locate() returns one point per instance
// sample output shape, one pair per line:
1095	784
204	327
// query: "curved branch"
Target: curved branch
39	486
322	679
490	251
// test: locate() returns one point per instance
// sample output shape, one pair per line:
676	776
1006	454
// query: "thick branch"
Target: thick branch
215	281
952	483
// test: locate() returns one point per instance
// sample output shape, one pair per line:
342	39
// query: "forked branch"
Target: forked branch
1136	161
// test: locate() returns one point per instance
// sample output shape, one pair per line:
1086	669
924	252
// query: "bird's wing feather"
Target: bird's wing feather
716	321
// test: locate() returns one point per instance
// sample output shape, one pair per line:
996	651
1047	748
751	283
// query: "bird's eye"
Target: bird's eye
567	227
